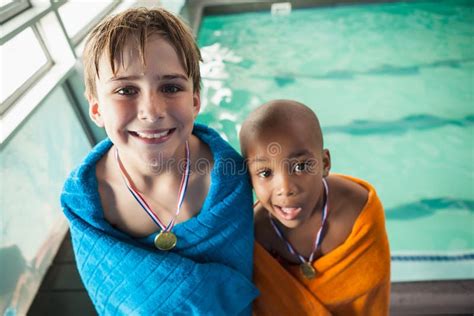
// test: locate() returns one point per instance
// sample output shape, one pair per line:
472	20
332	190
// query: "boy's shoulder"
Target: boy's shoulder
86	168
347	197
219	147
228	166
80	187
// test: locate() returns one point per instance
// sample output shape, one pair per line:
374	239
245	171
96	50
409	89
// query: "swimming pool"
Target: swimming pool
393	87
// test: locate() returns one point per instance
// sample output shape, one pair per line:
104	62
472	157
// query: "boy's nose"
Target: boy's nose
152	108
285	186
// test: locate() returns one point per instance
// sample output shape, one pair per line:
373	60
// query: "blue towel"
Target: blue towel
209	272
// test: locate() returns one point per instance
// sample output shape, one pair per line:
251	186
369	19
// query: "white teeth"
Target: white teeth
151	136
288	210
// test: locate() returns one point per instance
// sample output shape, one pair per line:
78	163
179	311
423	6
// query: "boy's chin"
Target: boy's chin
293	223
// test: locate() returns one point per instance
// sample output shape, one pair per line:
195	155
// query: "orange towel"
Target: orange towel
353	279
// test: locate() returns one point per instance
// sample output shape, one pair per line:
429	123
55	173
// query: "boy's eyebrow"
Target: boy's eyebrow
299	153
295	154
136	77
256	159
173	76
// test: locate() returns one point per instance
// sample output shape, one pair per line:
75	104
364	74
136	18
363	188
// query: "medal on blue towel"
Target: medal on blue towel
306	266
165	239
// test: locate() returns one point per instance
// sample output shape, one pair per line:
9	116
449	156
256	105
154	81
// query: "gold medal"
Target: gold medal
165	240
307	270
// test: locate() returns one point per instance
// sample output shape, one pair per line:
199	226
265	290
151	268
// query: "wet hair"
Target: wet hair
136	25
276	114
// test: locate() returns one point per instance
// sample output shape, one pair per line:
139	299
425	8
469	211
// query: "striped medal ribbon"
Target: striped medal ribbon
165	239
306	266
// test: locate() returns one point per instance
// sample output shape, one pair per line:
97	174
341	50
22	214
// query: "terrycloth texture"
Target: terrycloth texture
208	273
353	279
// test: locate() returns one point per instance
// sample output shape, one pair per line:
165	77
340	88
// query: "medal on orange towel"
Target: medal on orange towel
307	270
306	266
165	240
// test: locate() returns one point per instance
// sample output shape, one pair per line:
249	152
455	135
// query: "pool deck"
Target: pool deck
62	293
194	10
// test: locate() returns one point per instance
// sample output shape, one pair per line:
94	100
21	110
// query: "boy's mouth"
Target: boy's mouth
288	213
153	136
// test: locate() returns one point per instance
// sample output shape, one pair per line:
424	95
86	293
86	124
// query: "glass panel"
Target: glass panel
33	166
76	83
174	6
16	67
76	14
5	3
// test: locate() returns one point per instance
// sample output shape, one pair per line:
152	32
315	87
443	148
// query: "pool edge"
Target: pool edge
194	10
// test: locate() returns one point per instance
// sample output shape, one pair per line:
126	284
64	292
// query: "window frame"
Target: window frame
13	97
13	9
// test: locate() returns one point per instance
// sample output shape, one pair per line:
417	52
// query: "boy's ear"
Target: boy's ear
94	111
196	103
326	162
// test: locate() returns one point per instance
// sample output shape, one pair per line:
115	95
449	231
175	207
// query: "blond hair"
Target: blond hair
112	34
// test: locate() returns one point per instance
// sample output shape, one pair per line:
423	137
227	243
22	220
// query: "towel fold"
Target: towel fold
207	273
353	279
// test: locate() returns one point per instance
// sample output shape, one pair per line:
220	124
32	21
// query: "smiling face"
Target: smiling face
147	109
286	164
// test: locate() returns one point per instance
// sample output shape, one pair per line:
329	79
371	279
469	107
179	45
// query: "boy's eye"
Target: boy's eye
300	167
264	173
171	89
305	166
127	91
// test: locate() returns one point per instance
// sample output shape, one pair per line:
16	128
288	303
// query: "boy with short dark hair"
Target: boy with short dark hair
321	244
154	231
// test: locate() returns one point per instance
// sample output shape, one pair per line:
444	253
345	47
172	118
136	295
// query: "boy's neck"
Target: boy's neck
148	177
318	209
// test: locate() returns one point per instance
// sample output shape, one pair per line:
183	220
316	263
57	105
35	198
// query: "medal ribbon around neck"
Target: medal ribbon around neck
165	229
306	266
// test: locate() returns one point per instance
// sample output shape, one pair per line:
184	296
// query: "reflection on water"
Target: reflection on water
427	207
400	126
283	79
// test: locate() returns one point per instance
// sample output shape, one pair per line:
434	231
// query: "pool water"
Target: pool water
393	87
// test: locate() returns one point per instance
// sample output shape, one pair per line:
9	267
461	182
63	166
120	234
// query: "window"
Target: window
18	73
79	16
30	54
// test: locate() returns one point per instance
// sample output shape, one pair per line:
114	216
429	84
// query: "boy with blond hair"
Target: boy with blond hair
158	226
322	247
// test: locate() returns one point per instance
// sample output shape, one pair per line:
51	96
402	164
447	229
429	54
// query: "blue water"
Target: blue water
393	87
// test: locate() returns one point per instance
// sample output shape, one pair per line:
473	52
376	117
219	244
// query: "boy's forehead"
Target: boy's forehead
122	60
290	132
280	143
284	123
131	57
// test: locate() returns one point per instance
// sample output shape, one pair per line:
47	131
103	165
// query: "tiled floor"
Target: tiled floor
62	293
